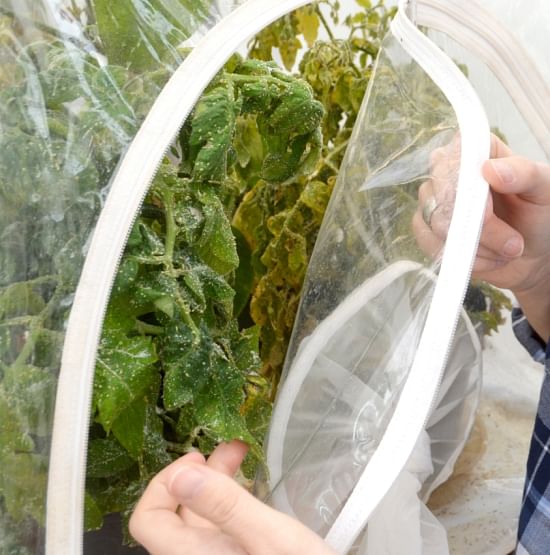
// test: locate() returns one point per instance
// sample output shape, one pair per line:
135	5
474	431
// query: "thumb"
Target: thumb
255	526
520	176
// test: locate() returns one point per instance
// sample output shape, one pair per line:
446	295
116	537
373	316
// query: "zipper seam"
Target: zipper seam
67	471
420	392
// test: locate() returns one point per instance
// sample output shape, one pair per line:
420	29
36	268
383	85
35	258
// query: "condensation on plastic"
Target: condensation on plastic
69	106
365	302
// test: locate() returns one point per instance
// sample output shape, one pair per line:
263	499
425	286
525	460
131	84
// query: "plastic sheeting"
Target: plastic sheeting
364	310
76	81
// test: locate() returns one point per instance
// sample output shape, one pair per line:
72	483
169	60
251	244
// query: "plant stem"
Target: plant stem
178	448
325	23
148	329
327	160
171	228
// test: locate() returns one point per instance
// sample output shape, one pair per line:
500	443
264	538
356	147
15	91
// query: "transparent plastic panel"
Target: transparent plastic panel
76	81
529	23
505	118
366	298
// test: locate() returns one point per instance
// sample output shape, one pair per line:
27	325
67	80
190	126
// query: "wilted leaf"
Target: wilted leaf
213	126
308	24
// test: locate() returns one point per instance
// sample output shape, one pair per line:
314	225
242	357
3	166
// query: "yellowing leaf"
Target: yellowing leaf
308	24
289	50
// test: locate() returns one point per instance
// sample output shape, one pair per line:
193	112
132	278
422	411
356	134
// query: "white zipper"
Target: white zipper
421	389
473	27
67	471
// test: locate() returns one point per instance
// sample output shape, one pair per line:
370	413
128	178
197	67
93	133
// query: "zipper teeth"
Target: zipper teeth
474	27
470	116
416	403
67	472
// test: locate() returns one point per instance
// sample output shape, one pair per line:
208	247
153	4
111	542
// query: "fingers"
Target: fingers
501	239
157	526
227	457
253	525
238	524
499	149
516	175
499	244
430	243
156	495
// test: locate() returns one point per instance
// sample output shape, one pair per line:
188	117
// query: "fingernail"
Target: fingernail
513	247
504	171
186	483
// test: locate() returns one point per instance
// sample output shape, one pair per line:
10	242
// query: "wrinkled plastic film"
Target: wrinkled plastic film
70	105
366	298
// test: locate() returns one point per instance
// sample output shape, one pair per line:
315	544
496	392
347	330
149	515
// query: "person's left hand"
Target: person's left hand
194	507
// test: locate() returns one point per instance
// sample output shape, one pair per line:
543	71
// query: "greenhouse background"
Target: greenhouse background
203	190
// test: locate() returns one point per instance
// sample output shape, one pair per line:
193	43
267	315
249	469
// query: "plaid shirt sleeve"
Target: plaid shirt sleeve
534	521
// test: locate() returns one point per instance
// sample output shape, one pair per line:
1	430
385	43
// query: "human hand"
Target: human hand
514	251
194	507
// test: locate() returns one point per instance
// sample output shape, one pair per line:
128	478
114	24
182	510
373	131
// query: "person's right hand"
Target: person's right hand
515	243
516	233
514	250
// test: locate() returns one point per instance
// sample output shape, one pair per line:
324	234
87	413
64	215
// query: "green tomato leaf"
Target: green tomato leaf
243	281
14	438
93	515
106	458
20	299
31	392
298	112
23	482
129	427
217	245
124	372
140	34
219	294
245	351
213	127
155	455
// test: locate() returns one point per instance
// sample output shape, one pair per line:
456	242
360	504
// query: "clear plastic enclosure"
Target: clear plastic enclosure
80	80
70	103
365	303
